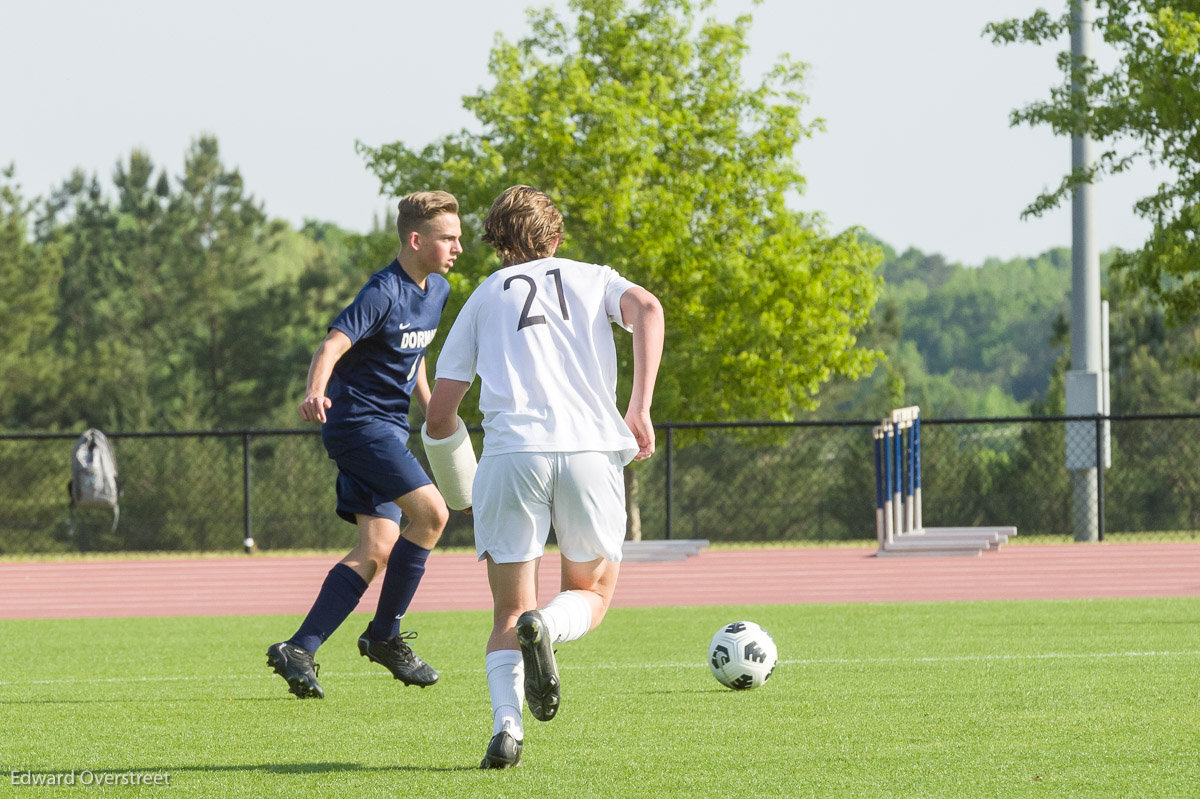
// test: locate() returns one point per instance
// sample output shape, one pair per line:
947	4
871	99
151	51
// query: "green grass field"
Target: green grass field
981	699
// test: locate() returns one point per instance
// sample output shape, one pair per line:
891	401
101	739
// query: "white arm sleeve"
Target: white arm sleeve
453	463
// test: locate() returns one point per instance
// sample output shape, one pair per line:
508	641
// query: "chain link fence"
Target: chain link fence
728	482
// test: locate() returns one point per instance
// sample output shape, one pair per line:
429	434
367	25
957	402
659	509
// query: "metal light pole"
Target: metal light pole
1087	380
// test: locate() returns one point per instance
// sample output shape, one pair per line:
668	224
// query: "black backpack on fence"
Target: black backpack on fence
94	482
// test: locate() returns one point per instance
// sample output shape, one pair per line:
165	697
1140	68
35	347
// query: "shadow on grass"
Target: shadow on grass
141	700
267	768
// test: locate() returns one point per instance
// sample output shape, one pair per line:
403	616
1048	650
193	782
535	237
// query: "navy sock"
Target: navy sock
406	566
339	596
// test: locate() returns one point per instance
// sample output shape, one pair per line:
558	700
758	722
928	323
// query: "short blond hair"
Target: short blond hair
523	225
415	209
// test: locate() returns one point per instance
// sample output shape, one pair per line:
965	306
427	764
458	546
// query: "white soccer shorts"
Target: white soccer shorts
518	495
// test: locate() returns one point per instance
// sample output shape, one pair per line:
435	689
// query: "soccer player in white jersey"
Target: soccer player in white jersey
538	333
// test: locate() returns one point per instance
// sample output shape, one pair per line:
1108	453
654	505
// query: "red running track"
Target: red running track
288	584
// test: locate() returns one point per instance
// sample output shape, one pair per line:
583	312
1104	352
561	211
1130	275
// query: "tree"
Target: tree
1145	108
103	359
666	167
219	237
181	304
29	278
961	341
153	282
1147	354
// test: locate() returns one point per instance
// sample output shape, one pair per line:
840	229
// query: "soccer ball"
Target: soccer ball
742	655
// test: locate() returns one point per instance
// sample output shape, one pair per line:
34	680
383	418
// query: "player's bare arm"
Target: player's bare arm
421	389
643	312
441	415
335	345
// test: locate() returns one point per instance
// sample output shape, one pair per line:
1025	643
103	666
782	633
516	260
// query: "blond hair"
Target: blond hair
415	209
523	225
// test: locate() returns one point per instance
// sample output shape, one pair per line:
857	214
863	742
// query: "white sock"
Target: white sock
569	615
506	684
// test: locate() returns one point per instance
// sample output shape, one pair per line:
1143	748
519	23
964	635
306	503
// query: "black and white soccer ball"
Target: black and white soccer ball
742	655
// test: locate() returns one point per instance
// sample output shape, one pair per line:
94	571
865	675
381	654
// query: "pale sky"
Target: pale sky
917	147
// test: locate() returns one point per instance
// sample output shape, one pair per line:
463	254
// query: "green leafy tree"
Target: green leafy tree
156	279
30	273
961	341
1149	357
668	168
215	264
98	336
181	304
1144	109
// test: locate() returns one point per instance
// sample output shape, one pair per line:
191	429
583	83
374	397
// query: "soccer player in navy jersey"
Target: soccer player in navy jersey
538	334
361	383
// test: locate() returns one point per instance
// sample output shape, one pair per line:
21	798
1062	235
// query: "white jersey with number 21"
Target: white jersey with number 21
539	335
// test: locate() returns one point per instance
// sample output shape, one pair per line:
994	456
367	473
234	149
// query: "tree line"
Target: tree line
159	302
156	302
993	340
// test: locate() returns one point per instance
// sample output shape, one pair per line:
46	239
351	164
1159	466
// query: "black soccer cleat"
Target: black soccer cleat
542	687
295	665
504	751
398	658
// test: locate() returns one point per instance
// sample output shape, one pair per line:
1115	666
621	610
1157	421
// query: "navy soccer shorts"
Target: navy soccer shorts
372	477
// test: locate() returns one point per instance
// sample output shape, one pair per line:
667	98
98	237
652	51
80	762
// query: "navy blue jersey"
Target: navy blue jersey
390	323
